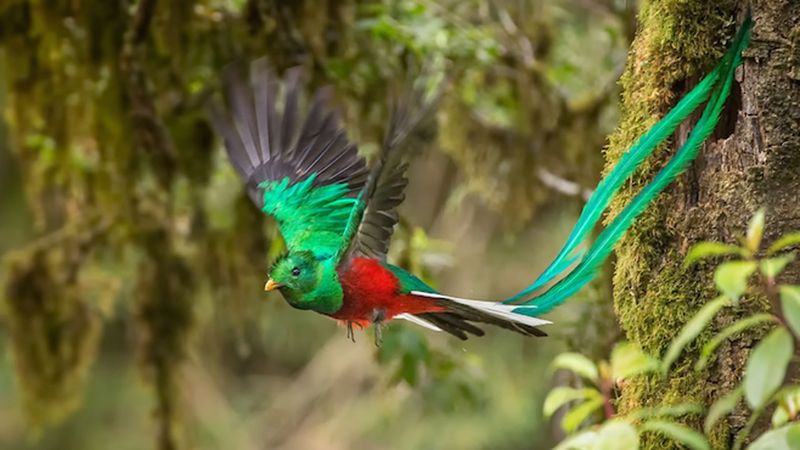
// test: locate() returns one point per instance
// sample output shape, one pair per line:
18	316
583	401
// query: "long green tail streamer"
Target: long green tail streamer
717	85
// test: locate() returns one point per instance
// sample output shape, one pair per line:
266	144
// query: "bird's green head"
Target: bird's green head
306	281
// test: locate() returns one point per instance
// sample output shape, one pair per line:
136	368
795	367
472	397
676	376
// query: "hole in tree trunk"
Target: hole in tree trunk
727	121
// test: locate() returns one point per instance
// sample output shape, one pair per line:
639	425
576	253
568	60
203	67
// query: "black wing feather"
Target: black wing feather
264	98
265	144
387	180
381	216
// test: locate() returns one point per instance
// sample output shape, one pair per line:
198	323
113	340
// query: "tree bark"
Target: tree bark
752	160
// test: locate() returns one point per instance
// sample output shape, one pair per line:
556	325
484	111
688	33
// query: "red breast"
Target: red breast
371	290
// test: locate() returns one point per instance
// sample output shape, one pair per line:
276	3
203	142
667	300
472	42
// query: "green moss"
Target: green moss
54	330
677	42
165	317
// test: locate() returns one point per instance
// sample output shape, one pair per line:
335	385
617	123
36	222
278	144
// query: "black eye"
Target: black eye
296	272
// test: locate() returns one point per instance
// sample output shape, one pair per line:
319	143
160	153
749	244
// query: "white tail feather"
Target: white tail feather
496	309
421	322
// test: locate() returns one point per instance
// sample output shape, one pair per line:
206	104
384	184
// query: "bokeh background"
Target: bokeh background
133	314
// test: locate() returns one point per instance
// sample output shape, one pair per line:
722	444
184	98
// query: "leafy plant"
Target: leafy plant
740	281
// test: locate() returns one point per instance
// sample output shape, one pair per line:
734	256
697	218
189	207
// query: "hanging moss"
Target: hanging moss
163	308
54	329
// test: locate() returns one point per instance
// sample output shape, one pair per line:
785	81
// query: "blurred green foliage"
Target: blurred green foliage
137	240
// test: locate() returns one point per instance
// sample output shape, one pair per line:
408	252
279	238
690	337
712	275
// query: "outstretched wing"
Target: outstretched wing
380	216
301	170
374	216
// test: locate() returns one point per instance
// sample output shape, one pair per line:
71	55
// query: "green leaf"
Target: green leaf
615	435
580	441
780	417
784	438
627	360
575	417
577	363
755	231
722	407
407	351
766	367
771	267
790	303
788	405
691	330
559	396
678	432
793	437
787	240
709	249
728	332
731	277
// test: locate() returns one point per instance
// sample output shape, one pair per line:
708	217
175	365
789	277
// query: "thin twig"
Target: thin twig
605	390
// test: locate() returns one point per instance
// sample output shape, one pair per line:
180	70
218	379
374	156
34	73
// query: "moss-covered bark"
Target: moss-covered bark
751	161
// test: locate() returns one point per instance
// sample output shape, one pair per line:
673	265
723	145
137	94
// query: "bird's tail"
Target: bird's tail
715	88
458	316
519	313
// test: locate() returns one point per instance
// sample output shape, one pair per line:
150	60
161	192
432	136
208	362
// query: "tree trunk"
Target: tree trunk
752	160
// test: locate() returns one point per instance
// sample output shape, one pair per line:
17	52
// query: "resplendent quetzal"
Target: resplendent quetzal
337	216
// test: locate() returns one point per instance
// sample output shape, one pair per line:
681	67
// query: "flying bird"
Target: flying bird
337	215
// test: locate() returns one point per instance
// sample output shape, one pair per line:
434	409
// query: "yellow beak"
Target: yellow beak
271	285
